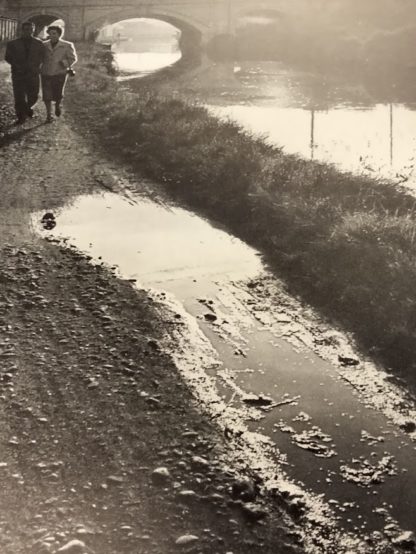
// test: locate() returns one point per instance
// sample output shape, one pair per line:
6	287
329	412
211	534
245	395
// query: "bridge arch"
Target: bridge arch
183	23
191	31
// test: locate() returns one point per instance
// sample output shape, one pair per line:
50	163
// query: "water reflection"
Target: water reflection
141	45
325	120
137	64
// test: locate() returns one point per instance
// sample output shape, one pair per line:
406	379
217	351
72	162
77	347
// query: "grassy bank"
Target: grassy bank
344	243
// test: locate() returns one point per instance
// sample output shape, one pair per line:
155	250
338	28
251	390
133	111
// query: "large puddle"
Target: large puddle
335	444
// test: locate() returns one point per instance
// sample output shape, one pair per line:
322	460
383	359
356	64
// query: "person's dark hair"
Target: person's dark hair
56	28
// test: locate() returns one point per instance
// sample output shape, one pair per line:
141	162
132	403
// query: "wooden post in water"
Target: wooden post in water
312	133
391	134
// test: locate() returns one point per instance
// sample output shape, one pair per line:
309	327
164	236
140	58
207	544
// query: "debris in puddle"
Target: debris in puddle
302	416
258	400
239	352
48	221
286	401
346	361
312	440
365	436
210	317
365	474
309	440
408	426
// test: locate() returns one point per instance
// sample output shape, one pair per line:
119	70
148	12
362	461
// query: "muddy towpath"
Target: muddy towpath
103	447
142	406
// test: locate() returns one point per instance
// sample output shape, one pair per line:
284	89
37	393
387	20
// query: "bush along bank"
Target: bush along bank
344	243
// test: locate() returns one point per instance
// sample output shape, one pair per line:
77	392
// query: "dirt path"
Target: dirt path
90	405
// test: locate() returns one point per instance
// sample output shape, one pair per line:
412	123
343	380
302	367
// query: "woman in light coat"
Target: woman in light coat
60	56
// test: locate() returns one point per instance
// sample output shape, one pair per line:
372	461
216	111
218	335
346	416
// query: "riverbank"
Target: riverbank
343	243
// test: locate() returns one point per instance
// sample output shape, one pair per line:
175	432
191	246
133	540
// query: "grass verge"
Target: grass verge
344	243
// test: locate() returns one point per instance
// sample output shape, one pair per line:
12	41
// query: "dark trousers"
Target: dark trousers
26	93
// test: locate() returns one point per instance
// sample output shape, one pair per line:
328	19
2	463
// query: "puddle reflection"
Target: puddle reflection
153	243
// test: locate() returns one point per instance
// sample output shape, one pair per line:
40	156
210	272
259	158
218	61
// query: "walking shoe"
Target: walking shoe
58	111
49	119
20	121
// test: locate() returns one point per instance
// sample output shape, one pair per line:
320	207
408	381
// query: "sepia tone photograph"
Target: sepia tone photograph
207	277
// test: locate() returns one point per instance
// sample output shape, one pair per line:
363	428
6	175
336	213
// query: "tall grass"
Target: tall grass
344	243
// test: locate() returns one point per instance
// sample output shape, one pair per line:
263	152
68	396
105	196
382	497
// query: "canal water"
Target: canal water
327	120
318	117
139	64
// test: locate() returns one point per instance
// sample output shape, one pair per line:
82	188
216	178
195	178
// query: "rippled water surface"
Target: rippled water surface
346	124
359	127
143	63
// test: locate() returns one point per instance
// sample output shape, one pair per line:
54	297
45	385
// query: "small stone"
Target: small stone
186	539
161	476
199	461
41	547
253	512
187	496
153	344
244	489
73	547
115	479
406	540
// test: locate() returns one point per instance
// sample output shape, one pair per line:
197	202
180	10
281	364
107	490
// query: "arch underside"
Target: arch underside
185	24
191	33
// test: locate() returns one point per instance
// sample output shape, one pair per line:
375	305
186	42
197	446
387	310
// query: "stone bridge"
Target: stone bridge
204	21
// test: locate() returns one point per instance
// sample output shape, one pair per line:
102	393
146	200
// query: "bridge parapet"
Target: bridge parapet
206	24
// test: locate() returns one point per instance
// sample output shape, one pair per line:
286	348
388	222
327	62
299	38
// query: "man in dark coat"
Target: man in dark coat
25	55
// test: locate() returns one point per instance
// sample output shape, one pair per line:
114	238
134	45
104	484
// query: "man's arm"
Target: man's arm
9	53
72	55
